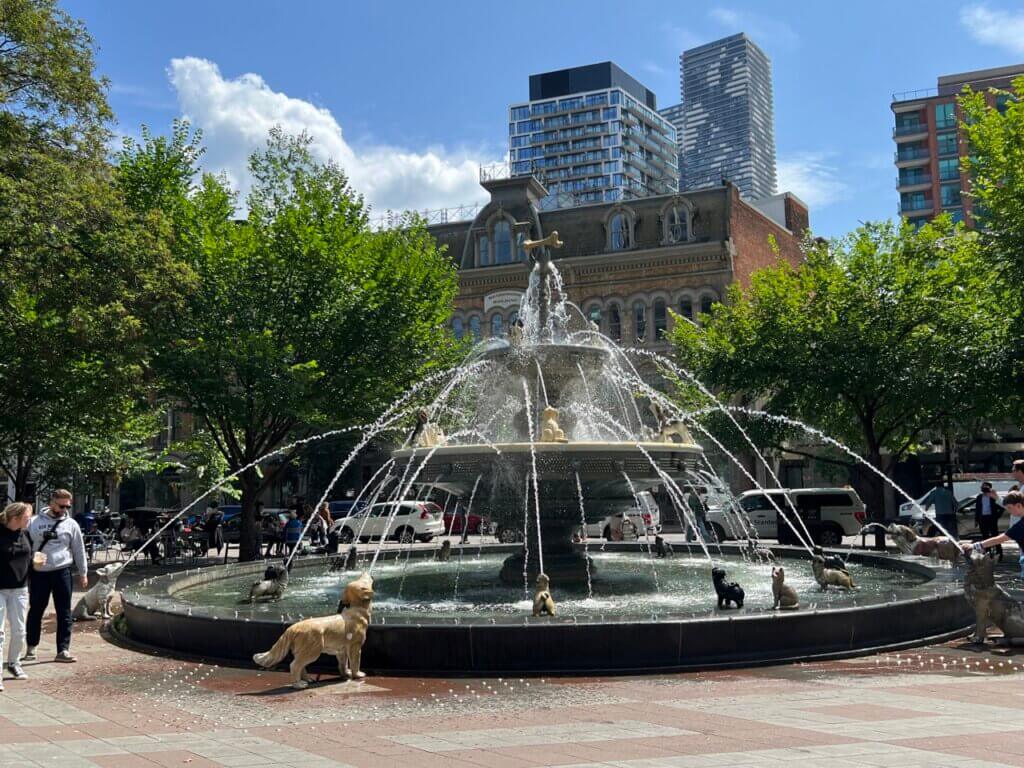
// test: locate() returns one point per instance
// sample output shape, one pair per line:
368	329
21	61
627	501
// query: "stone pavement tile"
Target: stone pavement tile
181	758
634	749
488	759
360	759
105	730
539	755
866	712
124	761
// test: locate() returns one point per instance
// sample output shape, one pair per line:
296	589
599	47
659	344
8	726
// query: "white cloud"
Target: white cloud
810	177
1000	28
236	115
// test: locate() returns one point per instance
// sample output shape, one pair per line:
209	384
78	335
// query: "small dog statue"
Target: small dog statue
909	543
273	585
785	596
98	598
445	552
426	435
550	431
543	603
515	333
341	635
834	562
346	563
760	553
830	576
662	548
992	605
669	428
727	591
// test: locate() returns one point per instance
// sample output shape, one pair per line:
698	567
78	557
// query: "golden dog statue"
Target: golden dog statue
785	596
909	543
830	576
543	603
341	635
550	431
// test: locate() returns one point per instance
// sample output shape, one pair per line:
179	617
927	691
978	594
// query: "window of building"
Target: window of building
946	143
502	242
483	251
705	304
912	151
594	315
914	201
945	116
949	169
957	215
474	327
640	321
497	321
677	225
520	113
908	122
950	194
686	307
614	323
619	232
458	327
910	176
660	319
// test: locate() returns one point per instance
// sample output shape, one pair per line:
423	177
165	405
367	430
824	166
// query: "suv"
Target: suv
404	521
829	513
645	519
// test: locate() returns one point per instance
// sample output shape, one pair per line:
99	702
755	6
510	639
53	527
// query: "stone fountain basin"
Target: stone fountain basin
930	612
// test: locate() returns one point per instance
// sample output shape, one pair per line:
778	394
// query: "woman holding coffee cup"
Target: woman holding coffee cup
15	556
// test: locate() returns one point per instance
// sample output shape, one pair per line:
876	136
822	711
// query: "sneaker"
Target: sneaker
16	671
30	654
65	657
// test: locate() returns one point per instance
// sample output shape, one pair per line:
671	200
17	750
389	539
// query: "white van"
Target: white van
830	513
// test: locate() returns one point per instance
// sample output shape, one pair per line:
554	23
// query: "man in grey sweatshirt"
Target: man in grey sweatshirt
55	534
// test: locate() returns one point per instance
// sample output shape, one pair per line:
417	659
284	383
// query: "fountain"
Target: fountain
544	433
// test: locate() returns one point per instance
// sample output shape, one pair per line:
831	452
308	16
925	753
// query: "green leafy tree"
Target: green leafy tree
879	339
301	318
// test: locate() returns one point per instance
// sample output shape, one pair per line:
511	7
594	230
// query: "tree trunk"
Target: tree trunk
871	489
249	527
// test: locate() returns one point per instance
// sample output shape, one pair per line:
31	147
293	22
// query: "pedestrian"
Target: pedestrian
944	504
699	513
15	562
58	546
987	511
214	527
324	511
292	532
1014	504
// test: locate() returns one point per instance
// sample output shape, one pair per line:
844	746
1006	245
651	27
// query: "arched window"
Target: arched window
619	227
705	304
502	242
677	229
686	307
640	320
594	315
614	323
496	326
512	317
484	251
660	319
474	327
458	327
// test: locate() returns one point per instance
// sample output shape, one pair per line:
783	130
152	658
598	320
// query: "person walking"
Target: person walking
324	511
987	511
15	562
941	499
292	532
214	527
58	545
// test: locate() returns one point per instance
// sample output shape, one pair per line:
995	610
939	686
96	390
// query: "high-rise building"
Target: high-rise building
929	149
674	115
591	135
729	130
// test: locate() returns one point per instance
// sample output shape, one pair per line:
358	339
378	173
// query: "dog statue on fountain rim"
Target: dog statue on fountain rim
785	596
341	635
669	428
663	548
727	591
426	434
543	603
445	552
909	543
833	562
98	598
273	585
992	605
550	431
830	576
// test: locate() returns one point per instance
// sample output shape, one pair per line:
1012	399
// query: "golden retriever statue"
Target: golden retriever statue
830	576
341	635
543	603
909	543
785	595
550	431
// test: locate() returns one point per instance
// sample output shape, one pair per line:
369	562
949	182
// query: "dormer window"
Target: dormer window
483	251
678	225
619	232
502	242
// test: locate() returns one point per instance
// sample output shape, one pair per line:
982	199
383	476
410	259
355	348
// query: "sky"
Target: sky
410	98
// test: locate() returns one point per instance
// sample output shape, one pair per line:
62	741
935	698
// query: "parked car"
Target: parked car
645	519
232	526
404	521
453	522
911	512
828	513
340	509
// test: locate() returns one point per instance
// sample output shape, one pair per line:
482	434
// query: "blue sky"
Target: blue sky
410	96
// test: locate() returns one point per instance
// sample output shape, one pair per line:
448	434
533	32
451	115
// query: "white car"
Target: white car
404	521
644	521
830	513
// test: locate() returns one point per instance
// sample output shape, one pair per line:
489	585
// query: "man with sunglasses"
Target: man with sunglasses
55	534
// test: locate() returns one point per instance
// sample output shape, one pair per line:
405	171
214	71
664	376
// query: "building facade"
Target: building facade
931	176
674	115
728	118
592	135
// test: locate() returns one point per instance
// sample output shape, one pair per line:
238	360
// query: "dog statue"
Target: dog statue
669	428
662	548
760	553
785	596
445	552
833	562
543	603
727	591
515	333
909	543
347	562
426	435
273	585
830	576
992	605
550	431
98	598
341	635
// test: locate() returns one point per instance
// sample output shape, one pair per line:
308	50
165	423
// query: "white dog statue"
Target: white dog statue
98	598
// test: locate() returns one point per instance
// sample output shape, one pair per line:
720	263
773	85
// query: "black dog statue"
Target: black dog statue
728	591
662	548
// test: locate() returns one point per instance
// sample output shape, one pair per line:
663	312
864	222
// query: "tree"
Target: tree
878	339
301	317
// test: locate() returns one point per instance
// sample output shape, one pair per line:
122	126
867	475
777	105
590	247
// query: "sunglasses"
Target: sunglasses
61	506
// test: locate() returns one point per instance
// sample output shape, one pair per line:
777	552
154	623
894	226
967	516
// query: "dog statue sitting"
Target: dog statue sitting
830	576
992	605
785	596
834	562
273	585
98	598
346	563
550	431
761	553
727	591
669	428
341	635
543	603
445	552
662	548
909	543
426	435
